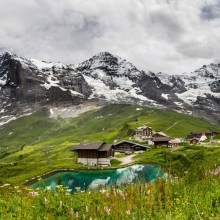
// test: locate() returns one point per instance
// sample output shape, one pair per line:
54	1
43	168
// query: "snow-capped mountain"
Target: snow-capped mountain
27	84
199	89
114	79
200	83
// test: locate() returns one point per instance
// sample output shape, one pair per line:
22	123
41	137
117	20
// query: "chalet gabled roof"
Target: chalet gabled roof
130	142
198	132
161	133
143	127
105	147
155	139
88	146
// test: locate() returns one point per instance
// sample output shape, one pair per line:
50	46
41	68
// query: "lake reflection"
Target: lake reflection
93	179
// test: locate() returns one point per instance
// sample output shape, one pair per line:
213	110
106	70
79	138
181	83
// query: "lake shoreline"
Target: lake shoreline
35	179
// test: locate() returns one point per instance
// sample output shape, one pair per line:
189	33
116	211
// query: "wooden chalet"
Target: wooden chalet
160	139
94	153
143	133
124	146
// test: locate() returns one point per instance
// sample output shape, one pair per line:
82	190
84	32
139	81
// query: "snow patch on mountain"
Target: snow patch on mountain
5	122
123	92
72	111
24	62
100	74
165	96
100	90
126	68
123	82
3	80
74	93
191	95
43	65
178	103
165	78
51	81
8	118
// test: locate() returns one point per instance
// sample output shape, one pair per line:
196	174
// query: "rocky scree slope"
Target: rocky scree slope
27	84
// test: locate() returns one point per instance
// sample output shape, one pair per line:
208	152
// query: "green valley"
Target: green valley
23	140
191	192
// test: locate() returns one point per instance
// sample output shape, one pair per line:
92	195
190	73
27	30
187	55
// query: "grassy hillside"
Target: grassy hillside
26	129
106	124
23	140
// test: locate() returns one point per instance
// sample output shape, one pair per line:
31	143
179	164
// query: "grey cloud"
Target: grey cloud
53	36
157	35
210	11
216	60
196	50
167	25
72	30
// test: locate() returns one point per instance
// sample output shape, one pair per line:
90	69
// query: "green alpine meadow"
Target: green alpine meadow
38	144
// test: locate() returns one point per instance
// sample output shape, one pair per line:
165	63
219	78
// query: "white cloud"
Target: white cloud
159	35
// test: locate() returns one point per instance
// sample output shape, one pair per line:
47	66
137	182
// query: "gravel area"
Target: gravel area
127	159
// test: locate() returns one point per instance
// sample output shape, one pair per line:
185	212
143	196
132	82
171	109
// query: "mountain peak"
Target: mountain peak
6	55
104	53
105	56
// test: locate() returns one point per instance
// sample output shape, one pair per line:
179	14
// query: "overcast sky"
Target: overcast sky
171	36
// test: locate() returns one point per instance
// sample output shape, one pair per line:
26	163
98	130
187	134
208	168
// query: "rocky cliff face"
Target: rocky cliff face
29	84
26	85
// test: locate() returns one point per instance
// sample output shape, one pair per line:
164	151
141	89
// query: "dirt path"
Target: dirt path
127	159
173	125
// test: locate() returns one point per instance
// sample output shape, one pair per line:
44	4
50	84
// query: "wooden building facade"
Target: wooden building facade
143	133
94	153
124	146
160	139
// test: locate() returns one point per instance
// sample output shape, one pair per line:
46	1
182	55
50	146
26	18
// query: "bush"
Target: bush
115	162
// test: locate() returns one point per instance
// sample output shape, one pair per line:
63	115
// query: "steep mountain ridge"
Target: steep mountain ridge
199	89
27	84
114	79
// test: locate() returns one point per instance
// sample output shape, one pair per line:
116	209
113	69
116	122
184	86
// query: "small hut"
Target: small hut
94	153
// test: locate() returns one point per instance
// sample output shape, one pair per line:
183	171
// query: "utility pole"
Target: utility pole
46	152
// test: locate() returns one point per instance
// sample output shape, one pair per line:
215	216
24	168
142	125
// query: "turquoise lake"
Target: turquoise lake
93	179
